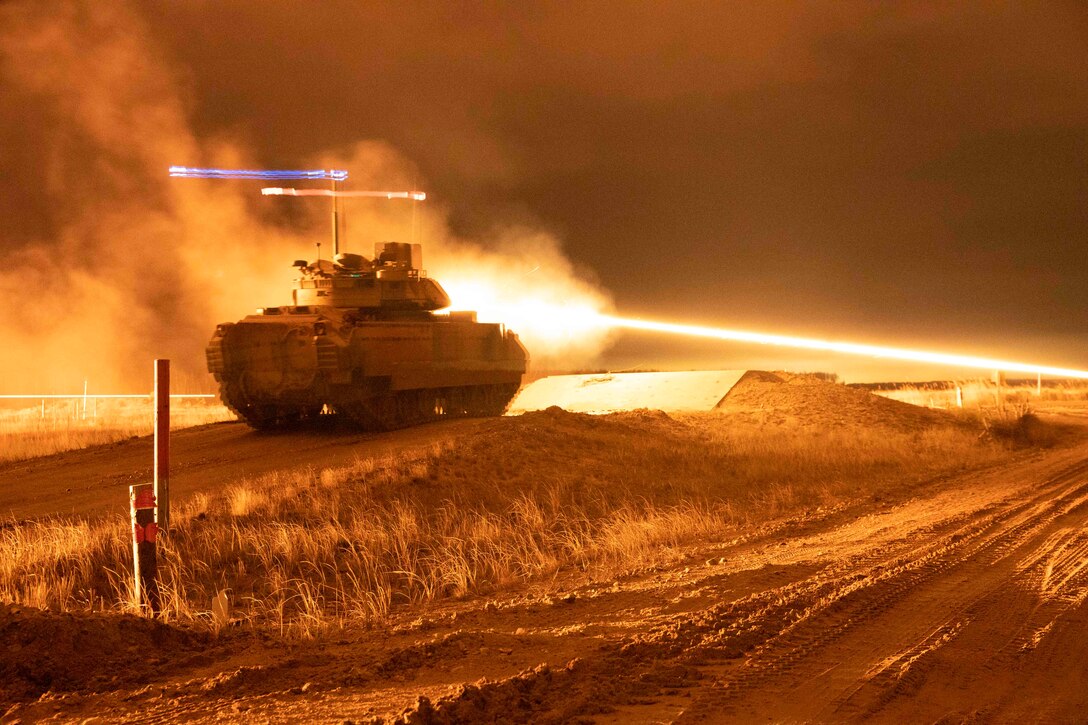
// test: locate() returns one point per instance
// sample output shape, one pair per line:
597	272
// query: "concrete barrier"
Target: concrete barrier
609	392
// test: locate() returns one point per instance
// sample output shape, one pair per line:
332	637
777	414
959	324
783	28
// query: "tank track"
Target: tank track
263	415
405	408
388	411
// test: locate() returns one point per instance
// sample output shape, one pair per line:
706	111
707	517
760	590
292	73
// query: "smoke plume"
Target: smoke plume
132	264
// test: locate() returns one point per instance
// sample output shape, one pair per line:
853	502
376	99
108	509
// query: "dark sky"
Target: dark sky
891	173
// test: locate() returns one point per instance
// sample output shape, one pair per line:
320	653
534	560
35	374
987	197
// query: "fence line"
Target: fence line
80	396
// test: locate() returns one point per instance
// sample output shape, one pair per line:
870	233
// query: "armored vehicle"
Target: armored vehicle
362	339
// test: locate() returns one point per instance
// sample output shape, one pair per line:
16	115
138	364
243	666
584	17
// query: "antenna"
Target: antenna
188	172
333	175
336	195
335	220
277	191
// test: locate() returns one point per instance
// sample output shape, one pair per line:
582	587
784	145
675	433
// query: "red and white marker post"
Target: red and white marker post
144	549
149	503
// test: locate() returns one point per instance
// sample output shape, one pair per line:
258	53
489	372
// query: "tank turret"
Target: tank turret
393	281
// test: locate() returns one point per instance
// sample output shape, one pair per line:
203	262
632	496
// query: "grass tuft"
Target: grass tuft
523	500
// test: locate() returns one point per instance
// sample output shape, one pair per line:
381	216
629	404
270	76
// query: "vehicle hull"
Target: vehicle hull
288	365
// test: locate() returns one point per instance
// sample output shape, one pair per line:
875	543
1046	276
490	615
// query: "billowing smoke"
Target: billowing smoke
527	283
138	265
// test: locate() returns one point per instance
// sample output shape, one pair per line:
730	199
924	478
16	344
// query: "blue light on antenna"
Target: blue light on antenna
316	174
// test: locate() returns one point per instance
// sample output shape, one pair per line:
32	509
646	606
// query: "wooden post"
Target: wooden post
144	550
162	442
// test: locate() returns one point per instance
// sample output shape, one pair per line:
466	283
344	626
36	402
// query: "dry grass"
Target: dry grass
533	496
985	395
64	425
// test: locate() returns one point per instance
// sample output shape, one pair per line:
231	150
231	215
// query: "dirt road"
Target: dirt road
95	481
966	603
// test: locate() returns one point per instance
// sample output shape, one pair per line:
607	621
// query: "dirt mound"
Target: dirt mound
637	420
540	695
537	451
42	651
787	398
544	694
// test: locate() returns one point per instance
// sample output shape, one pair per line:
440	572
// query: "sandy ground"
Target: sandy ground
962	603
95	481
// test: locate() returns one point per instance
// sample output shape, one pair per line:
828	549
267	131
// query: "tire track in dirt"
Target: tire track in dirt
793	672
786	632
834	617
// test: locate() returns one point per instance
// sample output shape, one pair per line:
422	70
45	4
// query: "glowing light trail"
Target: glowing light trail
277	191
849	348
188	172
